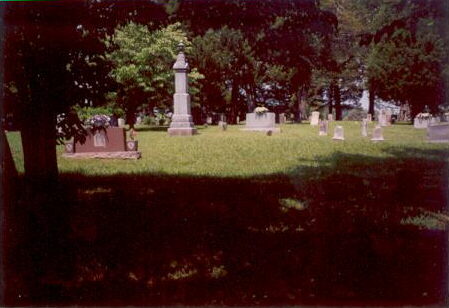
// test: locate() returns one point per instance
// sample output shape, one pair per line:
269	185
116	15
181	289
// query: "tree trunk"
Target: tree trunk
331	102
251	96
301	107
372	98
337	99
234	102
39	148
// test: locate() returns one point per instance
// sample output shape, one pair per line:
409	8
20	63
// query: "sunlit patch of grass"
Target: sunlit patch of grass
238	153
181	271
96	190
217	272
291	204
426	221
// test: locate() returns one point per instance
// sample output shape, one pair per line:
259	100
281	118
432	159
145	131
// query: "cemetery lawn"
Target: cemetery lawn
238	218
236	153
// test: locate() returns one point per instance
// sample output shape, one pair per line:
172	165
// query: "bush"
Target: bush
85	113
356	114
147	120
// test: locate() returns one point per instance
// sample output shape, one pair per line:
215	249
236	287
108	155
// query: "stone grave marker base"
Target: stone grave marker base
178	131
262	129
438	133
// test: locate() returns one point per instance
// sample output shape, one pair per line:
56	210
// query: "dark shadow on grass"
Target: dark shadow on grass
320	235
160	128
152	128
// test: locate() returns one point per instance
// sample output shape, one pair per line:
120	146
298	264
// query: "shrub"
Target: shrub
356	114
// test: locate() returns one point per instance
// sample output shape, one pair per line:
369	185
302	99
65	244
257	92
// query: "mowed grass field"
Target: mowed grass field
234	153
238	219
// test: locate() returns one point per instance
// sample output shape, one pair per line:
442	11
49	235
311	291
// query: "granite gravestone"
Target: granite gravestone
107	142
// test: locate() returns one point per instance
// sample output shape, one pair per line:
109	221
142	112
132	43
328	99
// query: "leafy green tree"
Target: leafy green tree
413	35
409	71
142	63
340	78
226	59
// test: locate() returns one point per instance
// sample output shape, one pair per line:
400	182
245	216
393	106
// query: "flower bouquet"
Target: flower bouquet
98	122
261	110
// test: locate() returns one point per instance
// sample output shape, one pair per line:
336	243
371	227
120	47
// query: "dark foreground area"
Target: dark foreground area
355	231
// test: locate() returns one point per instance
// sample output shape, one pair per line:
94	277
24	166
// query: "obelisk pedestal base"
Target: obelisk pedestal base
182	131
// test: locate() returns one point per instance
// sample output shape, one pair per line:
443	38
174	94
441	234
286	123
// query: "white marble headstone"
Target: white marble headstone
365	127
377	134
339	133
315	118
323	128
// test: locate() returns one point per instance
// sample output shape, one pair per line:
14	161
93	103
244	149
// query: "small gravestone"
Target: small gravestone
237	120
330	117
422	120
388	116
315	118
382	118
438	133
209	120
121	122
339	133
377	134
369	117
365	127
282	118
323	128
223	125
434	120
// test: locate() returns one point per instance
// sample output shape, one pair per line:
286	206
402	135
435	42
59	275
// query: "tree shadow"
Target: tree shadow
332	234
160	128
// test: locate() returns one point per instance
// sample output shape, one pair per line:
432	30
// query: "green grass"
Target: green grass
236	153
237	218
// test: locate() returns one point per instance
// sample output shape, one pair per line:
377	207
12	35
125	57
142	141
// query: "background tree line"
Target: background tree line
291	55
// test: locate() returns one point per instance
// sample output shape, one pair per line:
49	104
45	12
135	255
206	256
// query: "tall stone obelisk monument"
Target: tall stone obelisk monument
181	121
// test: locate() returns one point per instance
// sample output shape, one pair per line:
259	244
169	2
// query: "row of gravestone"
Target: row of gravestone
384	117
377	134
